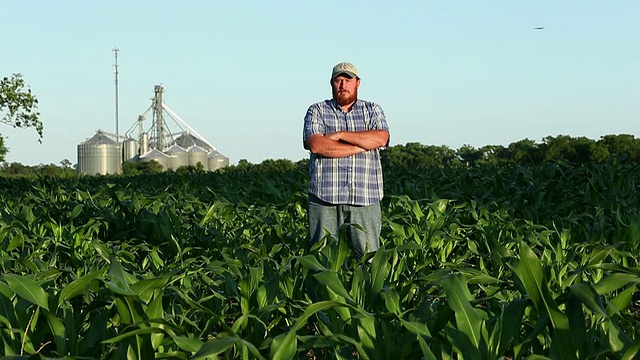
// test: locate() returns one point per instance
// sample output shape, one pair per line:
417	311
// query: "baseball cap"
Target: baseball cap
344	68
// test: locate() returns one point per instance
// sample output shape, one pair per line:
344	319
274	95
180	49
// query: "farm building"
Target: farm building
172	145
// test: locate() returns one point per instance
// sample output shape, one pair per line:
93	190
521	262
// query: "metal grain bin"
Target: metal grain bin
178	156
129	149
157	155
99	155
198	155
217	160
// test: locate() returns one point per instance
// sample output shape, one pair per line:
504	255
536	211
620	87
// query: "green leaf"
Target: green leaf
77	286
331	280
621	301
95	334
155	309
27	289
119	279
398	230
379	270
632	352
616	337
311	262
368	335
468	319
529	271
507	326
58	331
190	344
146	287
614	282
284	346
128	334
392	301
589	297
117	288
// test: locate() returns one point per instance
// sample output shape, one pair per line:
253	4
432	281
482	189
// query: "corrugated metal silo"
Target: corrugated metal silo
144	143
99	155
178	157
130	149
217	160
198	155
157	155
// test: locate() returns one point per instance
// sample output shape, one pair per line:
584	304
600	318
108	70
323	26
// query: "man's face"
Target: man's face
345	89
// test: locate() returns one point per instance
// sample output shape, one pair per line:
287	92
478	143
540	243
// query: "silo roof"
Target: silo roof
217	154
175	149
100	139
196	148
154	153
188	140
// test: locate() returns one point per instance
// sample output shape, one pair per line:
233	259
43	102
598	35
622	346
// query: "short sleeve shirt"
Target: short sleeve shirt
351	180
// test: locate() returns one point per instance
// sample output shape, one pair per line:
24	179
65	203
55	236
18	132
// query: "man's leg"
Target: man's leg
369	218
322	215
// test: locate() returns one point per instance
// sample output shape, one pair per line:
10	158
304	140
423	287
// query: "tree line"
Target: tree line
575	150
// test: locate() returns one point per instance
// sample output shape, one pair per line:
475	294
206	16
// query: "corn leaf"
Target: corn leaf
27	289
529	270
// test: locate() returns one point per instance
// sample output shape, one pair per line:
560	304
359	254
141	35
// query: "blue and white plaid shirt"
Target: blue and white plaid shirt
351	180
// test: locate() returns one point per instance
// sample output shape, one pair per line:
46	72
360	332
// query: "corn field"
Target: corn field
486	262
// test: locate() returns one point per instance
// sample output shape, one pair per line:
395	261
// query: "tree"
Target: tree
493	154
3	149
525	152
141	167
65	163
469	155
623	145
277	165
414	154
19	106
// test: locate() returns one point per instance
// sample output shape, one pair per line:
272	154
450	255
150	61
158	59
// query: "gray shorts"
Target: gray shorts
325	217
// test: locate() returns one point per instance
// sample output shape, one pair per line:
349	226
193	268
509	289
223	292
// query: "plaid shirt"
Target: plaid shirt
351	180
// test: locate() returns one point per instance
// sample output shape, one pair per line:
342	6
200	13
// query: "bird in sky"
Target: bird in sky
538	28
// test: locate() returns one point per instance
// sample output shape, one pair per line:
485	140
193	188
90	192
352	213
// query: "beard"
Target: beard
345	98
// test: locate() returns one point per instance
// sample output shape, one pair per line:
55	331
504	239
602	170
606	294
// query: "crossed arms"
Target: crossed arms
346	143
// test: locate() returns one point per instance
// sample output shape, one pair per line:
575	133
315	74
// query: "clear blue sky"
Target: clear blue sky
242	73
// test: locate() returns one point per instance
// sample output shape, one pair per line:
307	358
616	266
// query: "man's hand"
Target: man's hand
333	136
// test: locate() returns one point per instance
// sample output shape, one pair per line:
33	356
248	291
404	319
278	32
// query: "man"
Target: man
344	135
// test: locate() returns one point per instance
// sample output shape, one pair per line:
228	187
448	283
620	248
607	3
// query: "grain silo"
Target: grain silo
99	155
105	152
157	156
178	156
198	155
172	142
130	150
217	160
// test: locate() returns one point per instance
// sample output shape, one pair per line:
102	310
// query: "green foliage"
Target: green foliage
484	262
19	107
415	154
564	148
142	167
50	170
3	149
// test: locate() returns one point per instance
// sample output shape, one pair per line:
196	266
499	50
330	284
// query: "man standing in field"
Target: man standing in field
344	135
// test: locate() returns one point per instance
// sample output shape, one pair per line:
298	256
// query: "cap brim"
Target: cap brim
348	73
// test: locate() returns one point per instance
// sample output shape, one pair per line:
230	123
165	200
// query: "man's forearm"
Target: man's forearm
324	146
368	140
